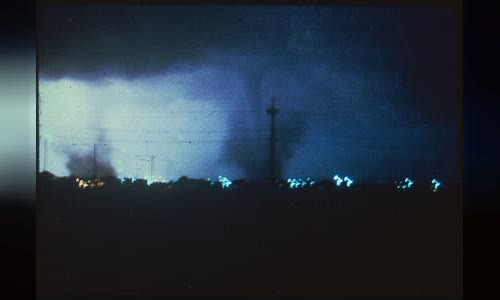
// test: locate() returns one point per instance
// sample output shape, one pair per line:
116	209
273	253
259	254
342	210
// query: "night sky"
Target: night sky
368	92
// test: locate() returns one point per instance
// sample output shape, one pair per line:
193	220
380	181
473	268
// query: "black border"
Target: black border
458	4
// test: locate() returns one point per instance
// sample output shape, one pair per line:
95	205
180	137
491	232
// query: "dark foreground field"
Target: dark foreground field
153	241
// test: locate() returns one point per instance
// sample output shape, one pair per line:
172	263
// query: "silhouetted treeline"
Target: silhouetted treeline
191	238
48	180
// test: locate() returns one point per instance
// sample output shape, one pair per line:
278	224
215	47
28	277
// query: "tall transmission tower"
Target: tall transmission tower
151	160
272	111
94	156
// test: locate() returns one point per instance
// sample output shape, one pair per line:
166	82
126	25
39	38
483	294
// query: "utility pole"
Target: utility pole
95	146
152	165
272	111
151	160
94	157
45	155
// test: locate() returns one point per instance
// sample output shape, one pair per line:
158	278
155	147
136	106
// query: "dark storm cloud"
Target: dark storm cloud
365	66
96	42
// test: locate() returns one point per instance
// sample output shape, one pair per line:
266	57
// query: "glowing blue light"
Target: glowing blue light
338	180
405	184
409	182
348	181
302	182
133	179
435	184
225	182
293	183
122	179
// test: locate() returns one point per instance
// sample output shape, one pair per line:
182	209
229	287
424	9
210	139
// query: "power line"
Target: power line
151	159
332	135
159	130
263	140
170	114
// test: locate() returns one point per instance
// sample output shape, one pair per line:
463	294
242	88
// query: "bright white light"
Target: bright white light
348	181
293	183
225	182
338	180
435	185
302	182
311	182
405	184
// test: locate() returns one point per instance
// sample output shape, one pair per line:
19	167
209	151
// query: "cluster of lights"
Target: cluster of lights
406	184
89	183
124	179
300	183
149	180
225	182
294	183
348	181
435	185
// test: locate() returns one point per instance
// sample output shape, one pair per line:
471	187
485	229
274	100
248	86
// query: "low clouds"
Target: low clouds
362	67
